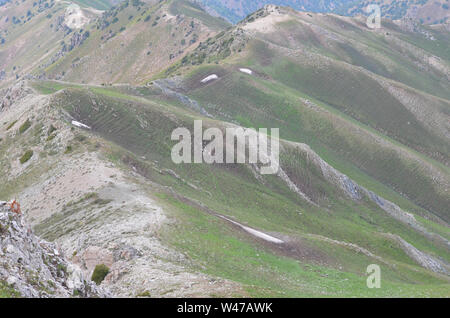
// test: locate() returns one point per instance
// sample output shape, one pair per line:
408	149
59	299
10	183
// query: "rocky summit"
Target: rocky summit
31	267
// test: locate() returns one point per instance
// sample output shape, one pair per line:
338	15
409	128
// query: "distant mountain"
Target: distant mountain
127	43
236	10
427	11
97	4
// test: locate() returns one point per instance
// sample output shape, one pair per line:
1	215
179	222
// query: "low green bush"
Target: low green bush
68	149
11	125
25	126
26	156
100	273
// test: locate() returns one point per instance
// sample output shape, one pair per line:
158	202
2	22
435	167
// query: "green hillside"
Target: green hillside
134	41
345	90
86	123
198	193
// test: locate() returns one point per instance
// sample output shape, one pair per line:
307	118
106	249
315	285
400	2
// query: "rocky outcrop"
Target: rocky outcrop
13	93
77	39
60	25
169	87
357	192
423	259
36	268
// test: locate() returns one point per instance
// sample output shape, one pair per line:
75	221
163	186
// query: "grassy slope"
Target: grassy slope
20	53
409	155
138	123
133	43
259	103
228	253
267	275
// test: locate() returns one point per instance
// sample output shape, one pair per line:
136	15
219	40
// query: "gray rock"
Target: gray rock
35	268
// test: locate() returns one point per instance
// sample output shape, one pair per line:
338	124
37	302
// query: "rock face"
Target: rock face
77	39
35	268
423	259
13	93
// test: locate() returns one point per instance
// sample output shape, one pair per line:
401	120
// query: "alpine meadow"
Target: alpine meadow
224	149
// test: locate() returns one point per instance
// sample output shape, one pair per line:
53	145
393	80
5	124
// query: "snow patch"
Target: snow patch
254	232
209	78
246	71
78	124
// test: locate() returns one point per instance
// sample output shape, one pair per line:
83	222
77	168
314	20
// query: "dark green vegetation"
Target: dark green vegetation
26	156
100	273
25	126
11	125
7	291
144	294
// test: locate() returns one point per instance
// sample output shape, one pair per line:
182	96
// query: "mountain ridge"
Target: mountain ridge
31	267
363	178
429	12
